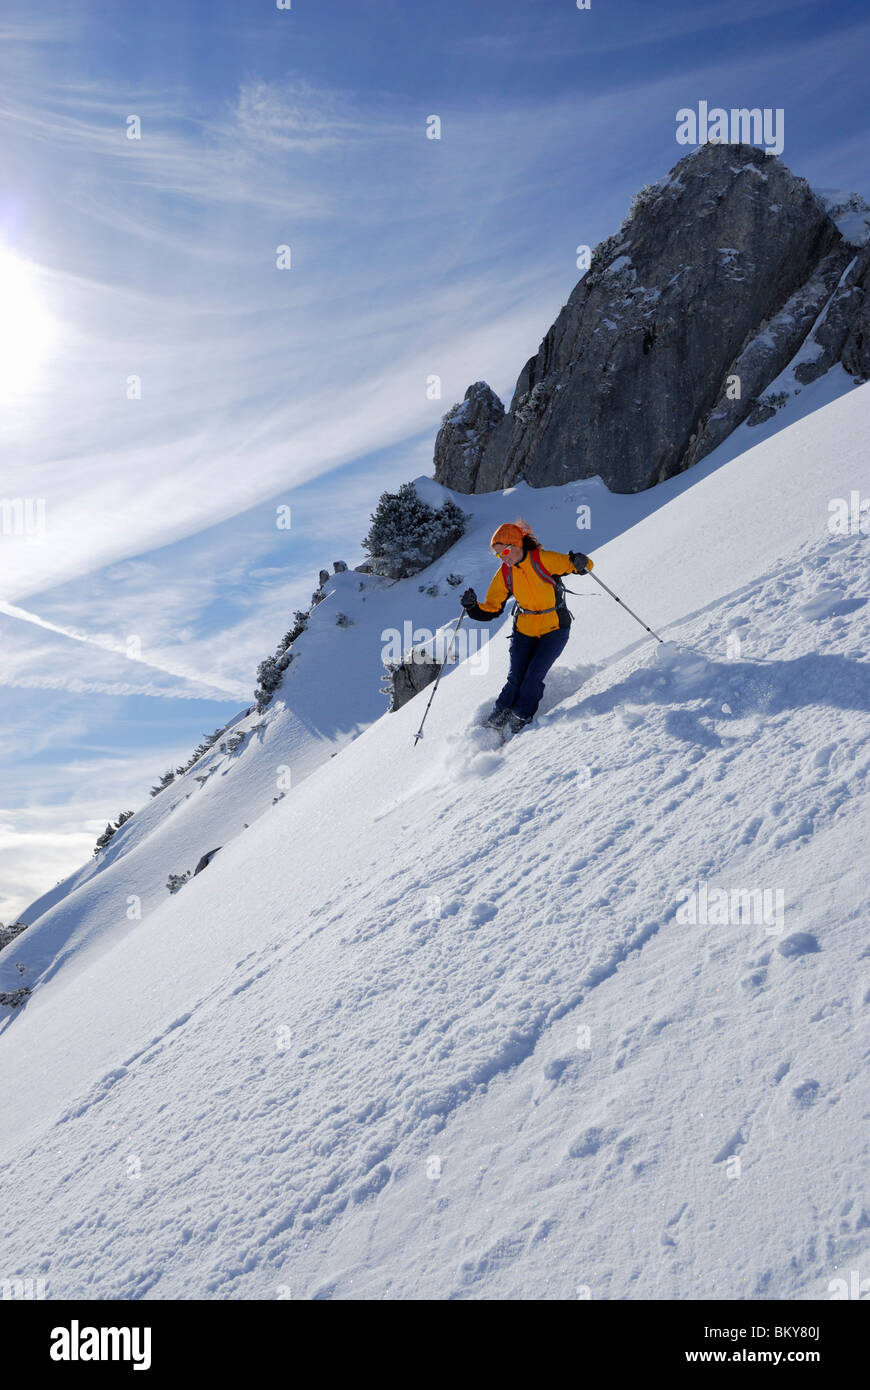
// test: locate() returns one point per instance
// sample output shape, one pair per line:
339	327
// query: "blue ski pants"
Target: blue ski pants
531	659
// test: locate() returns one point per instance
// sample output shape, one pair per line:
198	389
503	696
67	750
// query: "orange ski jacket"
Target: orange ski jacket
541	607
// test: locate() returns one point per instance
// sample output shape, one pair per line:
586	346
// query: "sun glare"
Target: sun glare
26	327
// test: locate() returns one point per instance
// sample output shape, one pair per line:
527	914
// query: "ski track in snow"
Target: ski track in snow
493	979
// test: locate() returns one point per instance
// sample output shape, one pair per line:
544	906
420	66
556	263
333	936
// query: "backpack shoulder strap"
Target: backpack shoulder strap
541	569
542	572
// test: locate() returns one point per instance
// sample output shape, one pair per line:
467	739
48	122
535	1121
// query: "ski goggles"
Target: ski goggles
501	552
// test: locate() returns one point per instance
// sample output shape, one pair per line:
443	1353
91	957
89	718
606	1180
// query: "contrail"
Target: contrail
108	644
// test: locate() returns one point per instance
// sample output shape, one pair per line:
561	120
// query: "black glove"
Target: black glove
580	561
469	600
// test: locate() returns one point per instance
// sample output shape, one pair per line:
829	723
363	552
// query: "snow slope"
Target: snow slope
332	691
432	1027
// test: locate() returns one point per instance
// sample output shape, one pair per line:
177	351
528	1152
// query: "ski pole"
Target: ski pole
419	733
624	605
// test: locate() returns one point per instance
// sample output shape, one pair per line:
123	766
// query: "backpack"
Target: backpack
543	573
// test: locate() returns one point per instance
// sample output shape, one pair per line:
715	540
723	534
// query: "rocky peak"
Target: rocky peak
713	282
464	434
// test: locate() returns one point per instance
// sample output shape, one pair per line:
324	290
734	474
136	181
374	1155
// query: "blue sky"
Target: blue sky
410	257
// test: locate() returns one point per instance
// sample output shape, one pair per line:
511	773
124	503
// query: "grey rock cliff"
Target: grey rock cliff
464	435
843	332
718	276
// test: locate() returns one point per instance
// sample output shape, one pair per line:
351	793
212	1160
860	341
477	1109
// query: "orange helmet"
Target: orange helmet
510	533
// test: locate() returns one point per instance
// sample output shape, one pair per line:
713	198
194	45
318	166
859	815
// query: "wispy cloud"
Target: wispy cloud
44	841
49	29
129	651
410	259
32	861
633	24
254	379
301	117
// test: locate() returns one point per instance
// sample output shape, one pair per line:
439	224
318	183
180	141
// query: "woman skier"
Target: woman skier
532	577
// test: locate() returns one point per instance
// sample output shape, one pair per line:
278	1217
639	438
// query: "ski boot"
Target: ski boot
496	718
515	723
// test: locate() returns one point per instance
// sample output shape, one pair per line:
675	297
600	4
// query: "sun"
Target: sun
26	328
